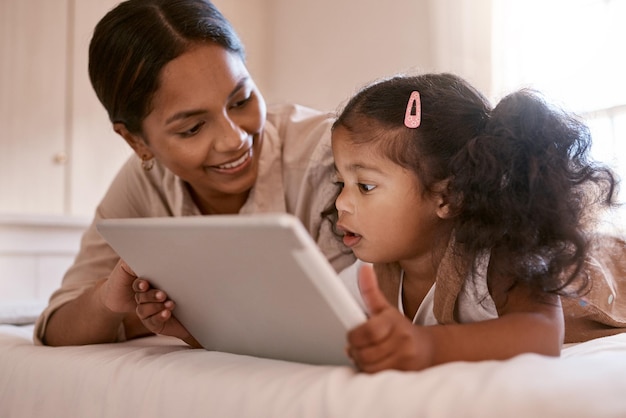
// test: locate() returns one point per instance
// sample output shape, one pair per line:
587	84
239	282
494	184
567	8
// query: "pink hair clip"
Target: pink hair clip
413	115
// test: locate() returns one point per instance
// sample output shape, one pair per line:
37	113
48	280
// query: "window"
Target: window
573	52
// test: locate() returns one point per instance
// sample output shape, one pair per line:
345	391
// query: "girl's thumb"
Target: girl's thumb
374	299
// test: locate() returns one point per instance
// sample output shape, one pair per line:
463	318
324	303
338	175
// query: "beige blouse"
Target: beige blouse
295	176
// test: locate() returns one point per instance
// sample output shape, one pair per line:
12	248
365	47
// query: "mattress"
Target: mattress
161	377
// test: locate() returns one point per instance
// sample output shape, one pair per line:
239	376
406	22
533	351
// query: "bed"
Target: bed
162	377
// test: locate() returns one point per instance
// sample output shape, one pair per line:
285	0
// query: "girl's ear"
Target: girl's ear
136	142
444	202
444	211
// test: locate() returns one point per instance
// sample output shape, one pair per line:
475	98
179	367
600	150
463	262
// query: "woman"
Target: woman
172	76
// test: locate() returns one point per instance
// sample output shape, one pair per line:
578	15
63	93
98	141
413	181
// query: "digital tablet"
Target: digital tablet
247	284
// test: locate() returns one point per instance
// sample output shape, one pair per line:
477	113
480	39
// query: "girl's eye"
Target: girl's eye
366	188
194	130
338	183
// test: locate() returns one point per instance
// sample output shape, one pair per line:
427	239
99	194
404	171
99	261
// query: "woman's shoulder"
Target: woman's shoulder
136	192
294	113
296	121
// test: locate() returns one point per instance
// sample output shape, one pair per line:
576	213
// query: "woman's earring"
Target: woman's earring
147	163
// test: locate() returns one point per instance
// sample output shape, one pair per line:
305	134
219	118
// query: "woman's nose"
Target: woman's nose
229	136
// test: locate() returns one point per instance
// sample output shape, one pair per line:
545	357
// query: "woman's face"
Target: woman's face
206	124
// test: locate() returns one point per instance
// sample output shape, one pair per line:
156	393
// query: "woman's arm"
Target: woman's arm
82	310
97	314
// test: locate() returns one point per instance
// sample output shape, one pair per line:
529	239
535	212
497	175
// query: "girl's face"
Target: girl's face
206	123
383	212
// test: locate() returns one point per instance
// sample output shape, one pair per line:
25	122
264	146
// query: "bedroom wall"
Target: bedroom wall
59	146
58	151
318	53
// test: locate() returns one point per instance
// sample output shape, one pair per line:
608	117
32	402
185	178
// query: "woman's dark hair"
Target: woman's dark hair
521	182
135	40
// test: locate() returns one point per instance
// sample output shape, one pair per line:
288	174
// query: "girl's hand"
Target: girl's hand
154	309
388	340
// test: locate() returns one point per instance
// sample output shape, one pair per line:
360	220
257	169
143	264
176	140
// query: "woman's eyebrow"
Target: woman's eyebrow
240	85
183	115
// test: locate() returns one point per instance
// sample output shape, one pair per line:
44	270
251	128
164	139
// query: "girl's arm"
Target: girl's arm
388	340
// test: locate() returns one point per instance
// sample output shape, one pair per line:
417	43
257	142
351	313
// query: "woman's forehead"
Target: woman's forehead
204	77
206	64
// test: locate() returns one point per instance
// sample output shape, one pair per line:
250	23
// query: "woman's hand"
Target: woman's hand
154	309
388	340
96	315
116	292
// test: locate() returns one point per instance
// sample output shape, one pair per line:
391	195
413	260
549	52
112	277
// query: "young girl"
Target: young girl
474	219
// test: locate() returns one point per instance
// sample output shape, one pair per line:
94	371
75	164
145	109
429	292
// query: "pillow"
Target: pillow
21	312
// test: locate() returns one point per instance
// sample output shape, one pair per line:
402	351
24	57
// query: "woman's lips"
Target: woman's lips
236	165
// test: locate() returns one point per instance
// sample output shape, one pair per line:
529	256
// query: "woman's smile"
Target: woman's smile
236	166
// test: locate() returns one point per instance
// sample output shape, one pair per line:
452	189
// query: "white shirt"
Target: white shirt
474	304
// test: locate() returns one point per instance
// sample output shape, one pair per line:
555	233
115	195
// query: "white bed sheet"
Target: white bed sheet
161	377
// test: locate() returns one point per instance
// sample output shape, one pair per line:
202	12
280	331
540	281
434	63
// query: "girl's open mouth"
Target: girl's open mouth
350	239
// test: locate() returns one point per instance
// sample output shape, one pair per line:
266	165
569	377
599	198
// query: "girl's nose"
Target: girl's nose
342	203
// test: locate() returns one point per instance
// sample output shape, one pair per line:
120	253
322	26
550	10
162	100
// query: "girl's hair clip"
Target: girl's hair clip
413	115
